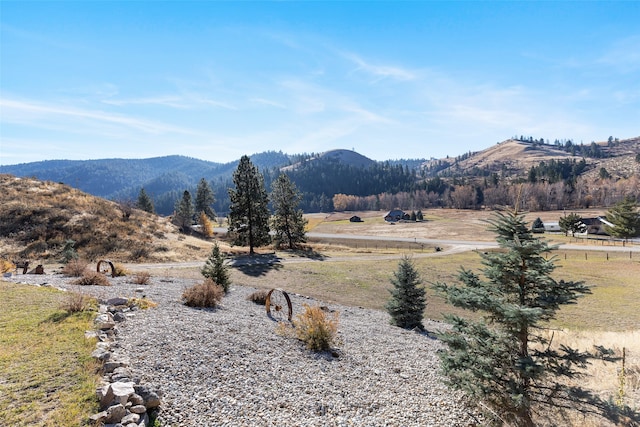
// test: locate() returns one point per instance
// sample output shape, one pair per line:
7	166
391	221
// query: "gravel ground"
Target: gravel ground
229	366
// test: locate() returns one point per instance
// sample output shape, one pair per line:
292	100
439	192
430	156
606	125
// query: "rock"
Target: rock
119	316
115	413
98	418
101	354
122	391
105	321
130	418
151	398
136	399
105	396
138	409
117	301
111	366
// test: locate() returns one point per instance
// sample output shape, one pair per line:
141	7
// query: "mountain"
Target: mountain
345	157
321	176
165	178
515	158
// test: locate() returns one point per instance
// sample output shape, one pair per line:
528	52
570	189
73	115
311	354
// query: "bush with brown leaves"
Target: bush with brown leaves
259	297
317	330
142	278
206	295
75	268
92	278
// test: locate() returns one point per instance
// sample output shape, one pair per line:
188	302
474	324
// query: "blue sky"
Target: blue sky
216	80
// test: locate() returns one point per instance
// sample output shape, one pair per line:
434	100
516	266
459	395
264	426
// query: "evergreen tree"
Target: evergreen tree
288	223
216	270
144	202
537	226
248	213
572	223
408	301
503	359
625	218
183	216
205	199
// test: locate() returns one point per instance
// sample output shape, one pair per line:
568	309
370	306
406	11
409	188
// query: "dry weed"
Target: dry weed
76	302
119	270
258	297
317	330
92	278
142	278
204	295
75	268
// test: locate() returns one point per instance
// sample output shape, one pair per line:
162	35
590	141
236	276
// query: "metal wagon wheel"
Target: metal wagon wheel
278	305
105	266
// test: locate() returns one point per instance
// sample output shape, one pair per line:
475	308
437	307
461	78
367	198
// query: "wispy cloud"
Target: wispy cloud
19	111
623	55
380	72
268	102
183	102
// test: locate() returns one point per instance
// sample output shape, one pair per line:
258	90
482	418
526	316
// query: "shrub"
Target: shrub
6	266
141	278
207	295
92	278
76	302
119	270
259	296
75	268
315	328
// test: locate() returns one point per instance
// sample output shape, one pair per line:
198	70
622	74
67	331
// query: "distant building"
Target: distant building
552	227
394	215
596	226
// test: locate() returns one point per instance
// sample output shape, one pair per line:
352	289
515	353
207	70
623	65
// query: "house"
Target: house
355	218
394	215
552	227
596	226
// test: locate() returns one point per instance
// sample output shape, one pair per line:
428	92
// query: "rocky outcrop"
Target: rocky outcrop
123	402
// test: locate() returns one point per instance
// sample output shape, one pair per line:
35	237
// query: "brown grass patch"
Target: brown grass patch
92	278
75	268
203	295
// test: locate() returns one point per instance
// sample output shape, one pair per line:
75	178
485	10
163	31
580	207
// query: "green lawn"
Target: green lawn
47	375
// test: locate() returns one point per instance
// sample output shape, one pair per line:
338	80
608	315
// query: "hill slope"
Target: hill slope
515	158
38	217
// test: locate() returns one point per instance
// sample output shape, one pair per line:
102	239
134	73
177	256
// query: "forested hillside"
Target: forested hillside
535	173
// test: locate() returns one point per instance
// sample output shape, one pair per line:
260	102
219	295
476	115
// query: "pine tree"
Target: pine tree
288	224
183	216
408	300
144	202
205	199
537	226
249	212
625	218
503	359
216	270
572	223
